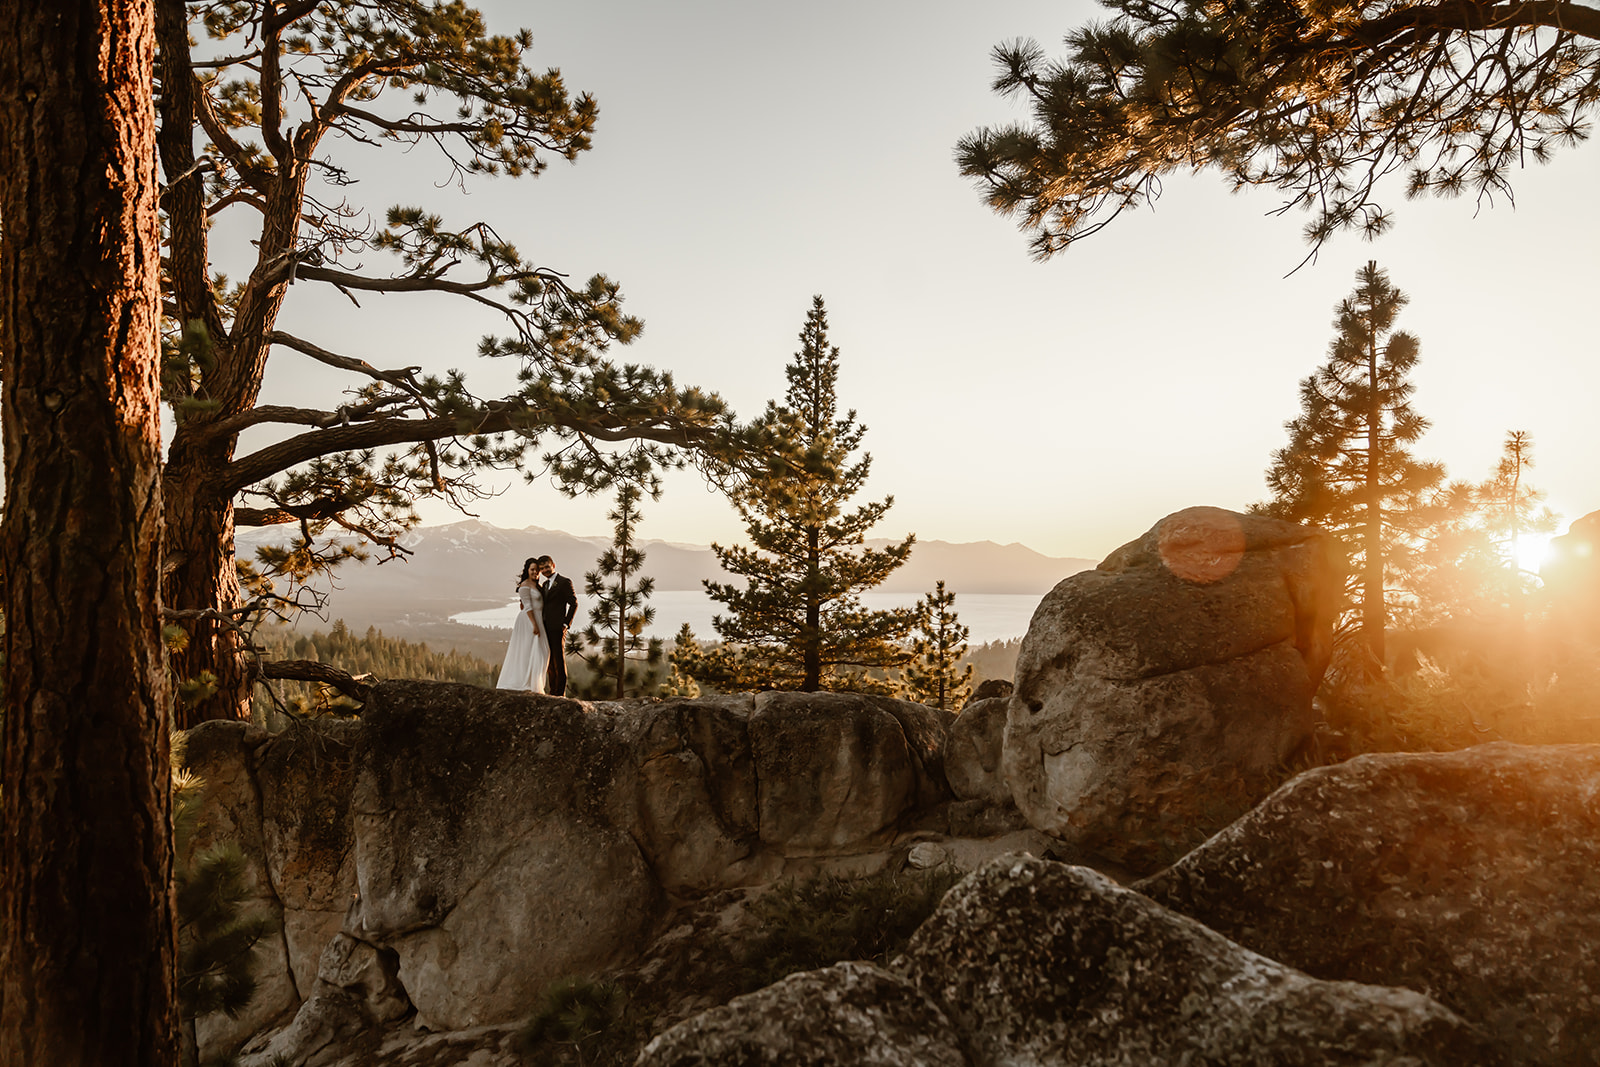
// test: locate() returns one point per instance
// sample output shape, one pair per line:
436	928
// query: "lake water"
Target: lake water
989	616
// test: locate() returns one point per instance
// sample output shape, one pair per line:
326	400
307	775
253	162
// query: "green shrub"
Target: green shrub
572	1014
218	930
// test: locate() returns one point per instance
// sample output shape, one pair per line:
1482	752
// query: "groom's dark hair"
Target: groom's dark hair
542	560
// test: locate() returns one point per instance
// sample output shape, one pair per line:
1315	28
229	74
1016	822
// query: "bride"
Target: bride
529	652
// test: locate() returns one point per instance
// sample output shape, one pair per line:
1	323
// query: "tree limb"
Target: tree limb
496	417
402	378
356	686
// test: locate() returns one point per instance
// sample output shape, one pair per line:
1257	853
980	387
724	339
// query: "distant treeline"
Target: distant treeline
993	660
372	653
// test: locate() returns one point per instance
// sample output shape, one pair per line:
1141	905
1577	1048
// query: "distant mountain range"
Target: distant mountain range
467	565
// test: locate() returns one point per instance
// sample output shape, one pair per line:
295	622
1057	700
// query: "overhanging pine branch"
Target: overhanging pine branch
496	417
421	283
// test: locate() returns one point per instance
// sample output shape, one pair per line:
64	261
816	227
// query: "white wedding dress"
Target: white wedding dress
529	653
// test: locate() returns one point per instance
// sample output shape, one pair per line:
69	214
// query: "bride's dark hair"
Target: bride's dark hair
530	561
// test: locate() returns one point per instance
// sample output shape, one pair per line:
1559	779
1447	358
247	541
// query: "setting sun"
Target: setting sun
1533	551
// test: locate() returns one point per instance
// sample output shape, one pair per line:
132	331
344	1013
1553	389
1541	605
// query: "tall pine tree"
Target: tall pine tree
797	623
932	677
1349	466
614	644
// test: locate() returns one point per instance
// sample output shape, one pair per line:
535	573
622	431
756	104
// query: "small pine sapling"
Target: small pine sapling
934	677
613	644
218	929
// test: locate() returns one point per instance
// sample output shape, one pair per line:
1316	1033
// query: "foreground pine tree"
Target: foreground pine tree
270	113
1349	466
797	622
614	644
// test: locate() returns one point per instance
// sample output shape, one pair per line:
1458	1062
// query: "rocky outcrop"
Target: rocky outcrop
1028	961
972	758
484	857
1468	876
1158	695
461	847
693	805
458	848
849	1013
838	771
306	779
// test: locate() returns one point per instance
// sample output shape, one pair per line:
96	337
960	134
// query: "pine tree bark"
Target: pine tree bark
812	660
200	574
199	485
1374	614
86	916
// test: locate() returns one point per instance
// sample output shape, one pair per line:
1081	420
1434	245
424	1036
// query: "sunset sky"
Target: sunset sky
751	155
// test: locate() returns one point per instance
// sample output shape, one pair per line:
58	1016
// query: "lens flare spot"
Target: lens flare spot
1201	544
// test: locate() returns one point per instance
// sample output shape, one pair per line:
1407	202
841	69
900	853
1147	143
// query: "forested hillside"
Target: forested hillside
372	653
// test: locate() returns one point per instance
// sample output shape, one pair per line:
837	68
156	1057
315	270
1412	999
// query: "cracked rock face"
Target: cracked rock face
1468	876
484	855
1157	695
1041	963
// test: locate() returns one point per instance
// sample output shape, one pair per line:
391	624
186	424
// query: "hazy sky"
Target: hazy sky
750	155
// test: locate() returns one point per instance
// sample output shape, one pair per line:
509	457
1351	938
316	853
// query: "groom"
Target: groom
560	605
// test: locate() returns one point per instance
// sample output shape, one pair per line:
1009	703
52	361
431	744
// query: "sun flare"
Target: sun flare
1533	551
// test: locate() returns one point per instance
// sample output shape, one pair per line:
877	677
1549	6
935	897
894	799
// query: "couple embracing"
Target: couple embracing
546	603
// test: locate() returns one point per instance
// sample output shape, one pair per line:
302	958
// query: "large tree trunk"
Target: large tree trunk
212	667
200	572
86	917
200	575
199	569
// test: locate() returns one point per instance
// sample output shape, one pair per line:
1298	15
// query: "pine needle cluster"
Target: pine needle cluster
1321	101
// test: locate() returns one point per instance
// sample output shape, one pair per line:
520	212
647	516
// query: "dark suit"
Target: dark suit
560	605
